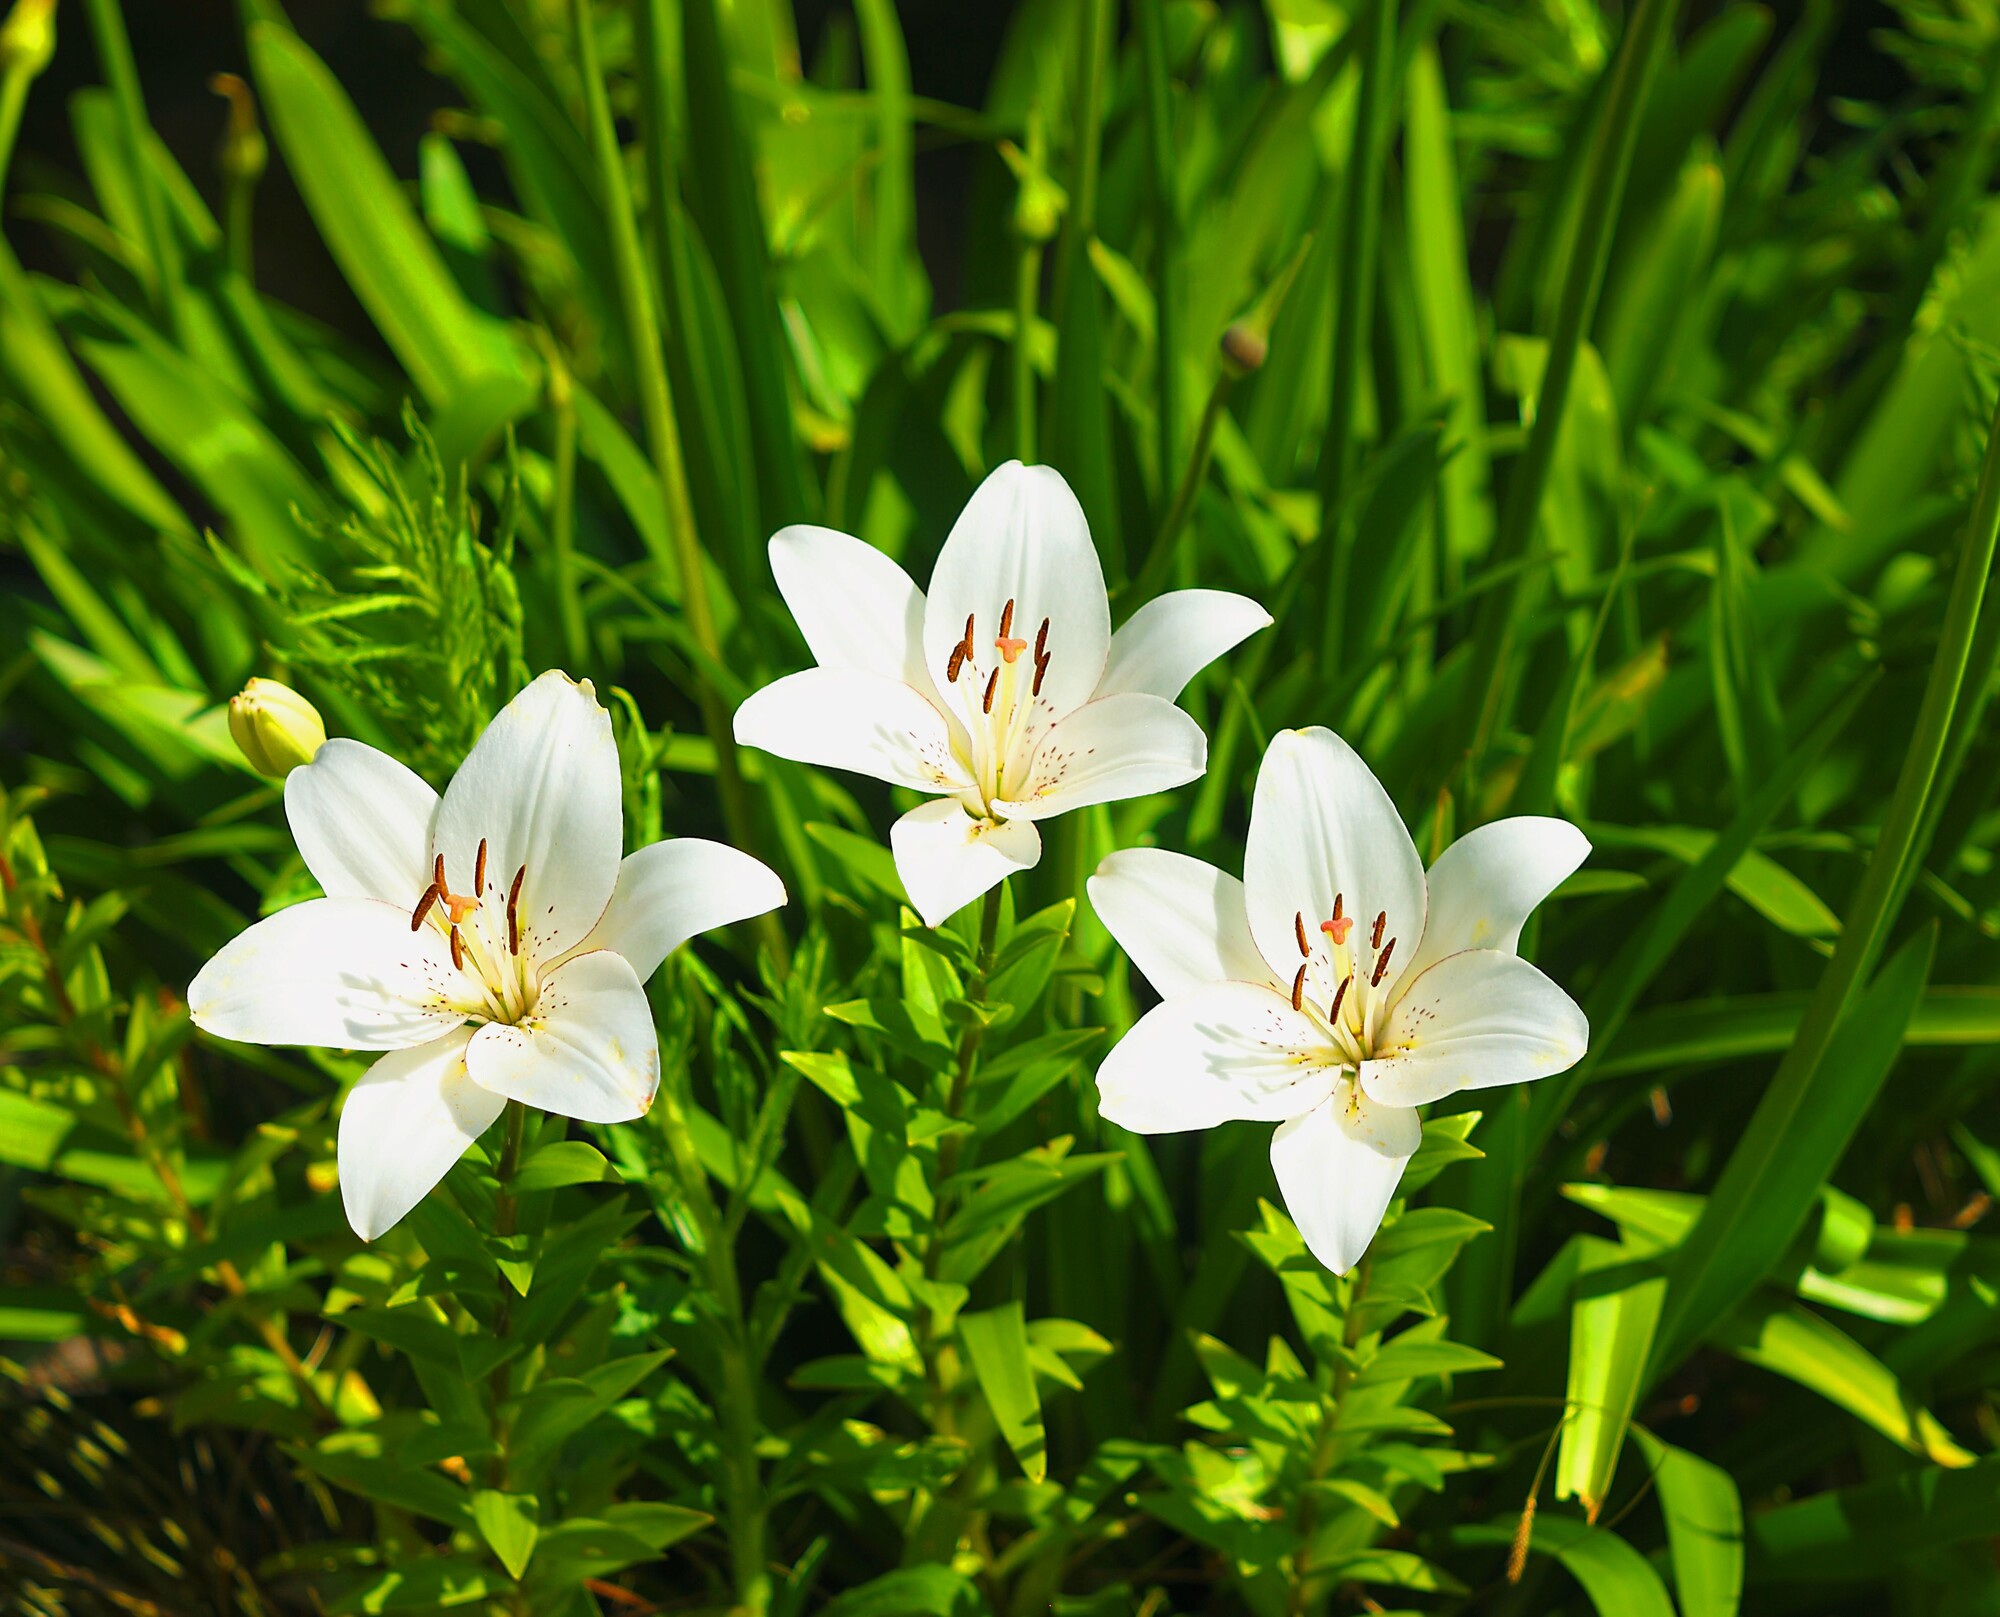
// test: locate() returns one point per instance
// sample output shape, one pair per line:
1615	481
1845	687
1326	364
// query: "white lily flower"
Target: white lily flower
1004	693
491	940
1334	989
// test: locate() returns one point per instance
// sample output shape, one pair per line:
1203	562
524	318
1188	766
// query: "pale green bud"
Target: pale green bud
274	727
28	37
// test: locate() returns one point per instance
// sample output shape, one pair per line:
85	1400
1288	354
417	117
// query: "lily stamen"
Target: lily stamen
1382	965
479	870
1299	988
1381	920
992	685
956	666
514	912
1299	923
1339	996
423	906
457	950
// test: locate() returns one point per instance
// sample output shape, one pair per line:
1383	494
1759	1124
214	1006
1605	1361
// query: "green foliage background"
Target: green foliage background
1599	403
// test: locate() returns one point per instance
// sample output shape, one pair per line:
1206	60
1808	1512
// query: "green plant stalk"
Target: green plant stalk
1160	559
1360	257
1149	19
1323	1445
1027	293
741	1369
562	527
513	1121
1612	147
1094	17
1863	935
663	438
114	51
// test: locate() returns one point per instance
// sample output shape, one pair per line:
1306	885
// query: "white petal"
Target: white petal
947	858
1473	1021
1338	1167
1181	921
839	719
363	823
541	787
1173	637
1022	537
1124	746
857	609
1321	826
344	973
588	1050
1485	885
405	1123
1227	1052
672	890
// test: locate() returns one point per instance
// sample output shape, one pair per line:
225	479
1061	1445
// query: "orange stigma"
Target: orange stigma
1010	646
1338	928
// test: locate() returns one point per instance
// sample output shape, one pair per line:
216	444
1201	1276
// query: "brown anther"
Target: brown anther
1299	987
1299	925
423	906
965	639
479	869
514	912
1007	618
437	876
457	950
992	685
1041	671
1338	900
956	666
1382	965
1339	998
1042	642
1381	920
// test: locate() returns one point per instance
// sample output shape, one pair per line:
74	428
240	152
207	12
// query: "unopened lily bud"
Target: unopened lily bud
28	37
1038	210
274	727
243	153
1244	349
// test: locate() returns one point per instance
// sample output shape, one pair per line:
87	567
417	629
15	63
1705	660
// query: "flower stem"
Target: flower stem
663	438
1323	1446
1027	291
1153	575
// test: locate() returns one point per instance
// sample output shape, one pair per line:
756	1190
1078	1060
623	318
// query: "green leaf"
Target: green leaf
1616	1309
917	1591
382	249
1864	1533
510	1524
1795	1138
1796	1343
996	1340
1618	1579
1704	1517
563	1162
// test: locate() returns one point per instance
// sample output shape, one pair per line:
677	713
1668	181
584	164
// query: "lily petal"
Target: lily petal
588	1050
857	609
362	822
541	788
1226	1052
1173	637
405	1123
1123	746
1338	1167
1321	825
1181	921
840	719
1022	537
947	858
343	973
1486	884
672	890
1473	1021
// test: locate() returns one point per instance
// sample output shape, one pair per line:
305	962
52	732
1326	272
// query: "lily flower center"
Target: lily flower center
999	697
502	982
1342	980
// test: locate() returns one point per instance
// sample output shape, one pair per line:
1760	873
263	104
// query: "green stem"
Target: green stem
1307	1519
1027	293
1865	931
1160	559
562	515
663	438
513	1121
1361	225
1148	16
1610	163
121	72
